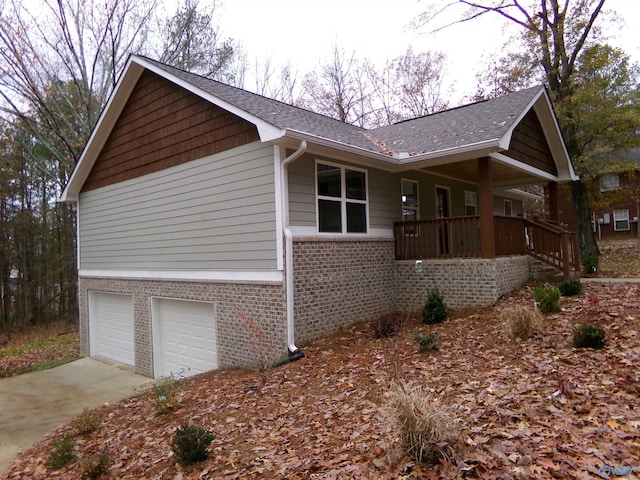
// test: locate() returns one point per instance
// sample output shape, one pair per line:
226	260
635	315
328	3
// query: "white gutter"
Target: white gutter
291	344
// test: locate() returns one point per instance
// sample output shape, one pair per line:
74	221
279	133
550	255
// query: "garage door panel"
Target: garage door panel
111	326
184	337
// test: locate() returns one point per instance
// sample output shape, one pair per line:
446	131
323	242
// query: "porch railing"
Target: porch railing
459	237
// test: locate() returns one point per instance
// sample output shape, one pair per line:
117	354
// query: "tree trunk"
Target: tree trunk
586	238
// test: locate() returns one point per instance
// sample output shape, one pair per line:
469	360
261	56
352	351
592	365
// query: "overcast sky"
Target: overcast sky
304	31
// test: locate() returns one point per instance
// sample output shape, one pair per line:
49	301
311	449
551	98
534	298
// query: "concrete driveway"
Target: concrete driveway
33	404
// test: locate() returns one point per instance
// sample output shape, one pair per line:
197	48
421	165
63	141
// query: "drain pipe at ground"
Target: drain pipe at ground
294	352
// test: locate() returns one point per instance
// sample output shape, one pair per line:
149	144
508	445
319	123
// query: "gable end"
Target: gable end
161	126
529	145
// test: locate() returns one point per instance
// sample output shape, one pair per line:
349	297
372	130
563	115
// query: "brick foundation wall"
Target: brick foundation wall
263	303
463	282
338	282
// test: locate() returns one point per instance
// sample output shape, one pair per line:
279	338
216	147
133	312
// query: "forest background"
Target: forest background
60	60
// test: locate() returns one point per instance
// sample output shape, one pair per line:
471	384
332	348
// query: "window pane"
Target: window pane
329	184
621	220
609	181
409	194
329	216
356	218
356	185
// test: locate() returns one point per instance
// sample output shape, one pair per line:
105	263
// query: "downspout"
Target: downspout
294	352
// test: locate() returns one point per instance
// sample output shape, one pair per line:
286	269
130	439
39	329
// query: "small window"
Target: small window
621	220
342	199
609	182
470	203
410	211
508	208
593	221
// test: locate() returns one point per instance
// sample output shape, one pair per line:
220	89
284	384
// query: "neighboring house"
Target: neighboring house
220	228
614	200
616	216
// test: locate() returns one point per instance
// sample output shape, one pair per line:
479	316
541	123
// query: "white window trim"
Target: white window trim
510	202
343	198
402	206
435	203
474	205
617	218
593	221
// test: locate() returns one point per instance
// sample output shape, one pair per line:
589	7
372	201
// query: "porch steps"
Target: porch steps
543	272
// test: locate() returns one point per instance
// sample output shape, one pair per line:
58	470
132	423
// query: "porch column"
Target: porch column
553	202
485	201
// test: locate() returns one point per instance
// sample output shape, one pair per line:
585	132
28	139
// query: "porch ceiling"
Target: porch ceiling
502	176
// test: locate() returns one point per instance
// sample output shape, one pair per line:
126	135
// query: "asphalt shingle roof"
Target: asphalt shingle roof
466	125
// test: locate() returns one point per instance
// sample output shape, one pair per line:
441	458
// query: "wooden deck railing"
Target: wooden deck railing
459	237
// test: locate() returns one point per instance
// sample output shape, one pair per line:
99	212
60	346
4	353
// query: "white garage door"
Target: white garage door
111	326
184	335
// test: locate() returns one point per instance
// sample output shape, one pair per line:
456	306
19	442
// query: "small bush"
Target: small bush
548	299
190	443
569	288
96	465
590	265
387	326
522	321
87	422
435	309
588	336
164	393
61	451
425	339
428	431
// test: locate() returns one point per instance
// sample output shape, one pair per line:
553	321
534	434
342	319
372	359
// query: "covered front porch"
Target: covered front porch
488	235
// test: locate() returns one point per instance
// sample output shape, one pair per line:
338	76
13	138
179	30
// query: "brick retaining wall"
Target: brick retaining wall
338	282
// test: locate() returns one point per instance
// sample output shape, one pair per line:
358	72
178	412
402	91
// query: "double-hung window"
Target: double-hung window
621	220
409	200
342	199
609	182
470	203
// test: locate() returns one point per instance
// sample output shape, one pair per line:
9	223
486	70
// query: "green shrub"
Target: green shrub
569	288
61	451
548	299
190	443
590	265
428	430
435	310
387	326
96	465
522	321
588	336
425	339
87	422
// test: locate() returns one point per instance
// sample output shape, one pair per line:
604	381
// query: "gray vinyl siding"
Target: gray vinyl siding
215	213
302	194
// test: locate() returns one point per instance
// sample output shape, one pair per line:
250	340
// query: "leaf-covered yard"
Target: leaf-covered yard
325	416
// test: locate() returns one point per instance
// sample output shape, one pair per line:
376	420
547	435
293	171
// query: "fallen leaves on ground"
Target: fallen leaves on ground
534	409
619	260
56	350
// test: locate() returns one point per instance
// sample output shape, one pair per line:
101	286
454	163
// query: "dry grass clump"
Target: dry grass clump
522	321
428	430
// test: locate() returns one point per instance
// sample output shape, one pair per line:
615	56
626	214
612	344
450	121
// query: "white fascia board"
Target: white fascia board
102	130
450	155
516	193
554	137
188	275
505	141
523	167
267	131
402	162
